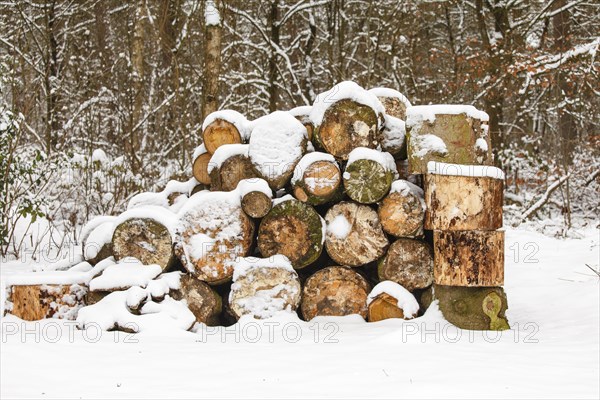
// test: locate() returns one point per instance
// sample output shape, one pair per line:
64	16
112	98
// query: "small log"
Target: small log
214	232
354	234
218	133
394	102
145	239
256	204
402	212
367	181
201	299
317	182
463	202
447	133
347	125
383	307
200	168
469	258
263	287
293	229
234	169
391	300
36	302
335	291
473	308
409	263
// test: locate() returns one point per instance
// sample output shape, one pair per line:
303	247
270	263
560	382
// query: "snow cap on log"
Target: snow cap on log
126	273
233	117
302	114
395	103
369	174
393	137
277	143
317	178
390	300
262	287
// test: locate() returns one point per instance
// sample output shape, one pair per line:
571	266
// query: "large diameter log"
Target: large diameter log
347	125
201	299
277	144
367	181
214	232
262	288
335	291
473	308
446	133
145	239
293	229
402	212
468	258
317	182
36	302
409	263
200	168
463	202
354	234
218	133
234	169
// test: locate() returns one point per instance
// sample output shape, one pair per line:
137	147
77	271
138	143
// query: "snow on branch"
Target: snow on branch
544	199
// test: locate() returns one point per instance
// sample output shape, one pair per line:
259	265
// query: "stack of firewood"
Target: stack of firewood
348	206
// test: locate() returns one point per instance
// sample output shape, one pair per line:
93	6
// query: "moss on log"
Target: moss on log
367	181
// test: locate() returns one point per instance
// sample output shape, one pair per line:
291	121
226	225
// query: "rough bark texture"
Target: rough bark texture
36	302
231	172
294	229
256	204
459	134
383	307
347	125
402	215
393	106
212	67
335	291
367	181
277	288
200	168
409	263
145	239
320	183
212	259
201	299
469	258
365	241
463	202
218	133
473	308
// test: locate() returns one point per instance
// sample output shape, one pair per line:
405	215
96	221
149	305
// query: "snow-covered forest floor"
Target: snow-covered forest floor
551	351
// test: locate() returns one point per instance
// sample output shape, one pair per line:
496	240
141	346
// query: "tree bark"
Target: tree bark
477	309
463	202
218	133
409	263
145	239
354	234
294	229
469	258
347	125
320	183
335	291
212	63
201	299
367	181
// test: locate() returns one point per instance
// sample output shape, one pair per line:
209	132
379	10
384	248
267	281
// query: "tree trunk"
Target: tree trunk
477	309
347	125
36	302
409	263
293	229
274	41
354	234
275	288
463	202
383	307
200	168
213	234
320	183
201	299
402	212
469	258
256	204
457	132
212	59
367	181
218	133
146	239
335	291
226	177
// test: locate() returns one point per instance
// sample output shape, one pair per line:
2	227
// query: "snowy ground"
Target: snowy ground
552	351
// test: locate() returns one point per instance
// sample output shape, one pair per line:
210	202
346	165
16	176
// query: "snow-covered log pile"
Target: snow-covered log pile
348	206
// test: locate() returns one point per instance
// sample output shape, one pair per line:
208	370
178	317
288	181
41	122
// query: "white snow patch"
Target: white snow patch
211	14
232	116
246	264
307	160
126	273
388	92
487	171
159	214
97	238
415	115
283	199
198	151
394	132
406	301
481	144
339	227
425	144
385	159
246	186
405	188
300	111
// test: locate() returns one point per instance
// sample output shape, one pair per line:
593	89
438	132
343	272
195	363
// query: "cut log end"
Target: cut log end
218	133
145	239
402	215
367	181
200	168
231	172
383	307
319	184
201	299
256	204
409	263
